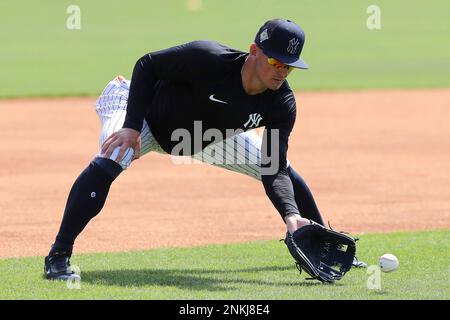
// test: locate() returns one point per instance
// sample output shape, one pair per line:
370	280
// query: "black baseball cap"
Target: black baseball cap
283	40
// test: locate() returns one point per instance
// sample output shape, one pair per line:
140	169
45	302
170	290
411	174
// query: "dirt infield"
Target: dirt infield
375	161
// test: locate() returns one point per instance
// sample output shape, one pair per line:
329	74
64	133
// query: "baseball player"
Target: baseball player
200	99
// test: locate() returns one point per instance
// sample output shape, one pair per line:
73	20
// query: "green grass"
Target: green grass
260	270
39	56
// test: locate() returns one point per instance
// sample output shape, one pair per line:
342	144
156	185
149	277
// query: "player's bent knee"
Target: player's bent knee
111	167
114	166
127	157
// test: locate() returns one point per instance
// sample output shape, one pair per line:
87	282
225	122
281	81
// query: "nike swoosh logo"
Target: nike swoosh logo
211	97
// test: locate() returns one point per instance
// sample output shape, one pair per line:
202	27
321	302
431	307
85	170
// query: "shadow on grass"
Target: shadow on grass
192	279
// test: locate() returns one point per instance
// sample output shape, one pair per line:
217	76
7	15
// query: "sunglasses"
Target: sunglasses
279	65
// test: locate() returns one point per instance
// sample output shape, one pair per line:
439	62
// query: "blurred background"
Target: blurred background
43	55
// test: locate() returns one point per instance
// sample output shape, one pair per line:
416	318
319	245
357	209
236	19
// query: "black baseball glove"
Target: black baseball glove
324	254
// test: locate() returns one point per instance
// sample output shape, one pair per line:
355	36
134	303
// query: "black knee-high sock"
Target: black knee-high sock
304	198
85	201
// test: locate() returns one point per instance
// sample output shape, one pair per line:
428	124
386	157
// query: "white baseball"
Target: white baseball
388	262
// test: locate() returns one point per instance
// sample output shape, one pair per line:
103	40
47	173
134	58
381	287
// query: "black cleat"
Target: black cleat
57	267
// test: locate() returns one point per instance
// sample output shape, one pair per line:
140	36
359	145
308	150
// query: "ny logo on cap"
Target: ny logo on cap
263	36
293	44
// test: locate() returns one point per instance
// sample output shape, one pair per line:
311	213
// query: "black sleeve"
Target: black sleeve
141	93
181	63
275	178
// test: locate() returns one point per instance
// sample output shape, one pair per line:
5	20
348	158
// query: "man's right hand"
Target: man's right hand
124	138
